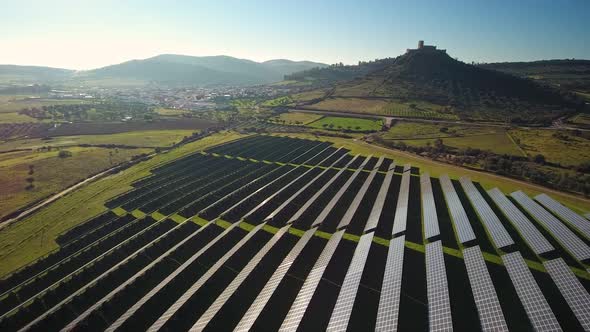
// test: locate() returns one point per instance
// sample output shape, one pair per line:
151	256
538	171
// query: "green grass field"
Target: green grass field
572	151
354	105
51	173
171	112
296	118
148	138
34	236
415	130
493	139
14	117
280	101
387	107
11	104
341	123
498	143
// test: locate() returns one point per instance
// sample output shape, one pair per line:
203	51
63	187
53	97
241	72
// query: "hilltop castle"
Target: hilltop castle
424	48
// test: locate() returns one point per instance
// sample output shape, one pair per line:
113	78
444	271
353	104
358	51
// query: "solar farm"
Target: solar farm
271	233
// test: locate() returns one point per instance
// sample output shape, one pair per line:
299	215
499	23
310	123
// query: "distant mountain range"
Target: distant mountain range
166	69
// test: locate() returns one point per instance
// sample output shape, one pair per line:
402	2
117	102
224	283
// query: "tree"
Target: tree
30	180
64	154
31	169
539	159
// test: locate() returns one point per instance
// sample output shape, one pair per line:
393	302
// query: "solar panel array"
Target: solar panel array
379	203
313	198
401	210
129	281
191	291
276	193
458	215
499	235
570	241
563	212
322	216
439	303
299	306
236	282
572	290
537	309
347	218
536	241
429	216
345	302
261	300
81	290
122	289
488	306
317	194
388	311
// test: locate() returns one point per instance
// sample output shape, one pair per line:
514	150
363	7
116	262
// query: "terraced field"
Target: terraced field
276	233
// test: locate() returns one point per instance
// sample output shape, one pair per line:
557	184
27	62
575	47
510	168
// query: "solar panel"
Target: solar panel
429	216
190	292
379	162
95	280
388	311
129	281
313	198
341	313
379	202
499	235
439	304
490	313
261	300
401	210
316	195
537	309
299	306
270	197
564	235
238	280
347	218
328	208
458	215
526	229
266	185
572	290
567	215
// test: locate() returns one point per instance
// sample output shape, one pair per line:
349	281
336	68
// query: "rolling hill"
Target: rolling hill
166	69
567	74
425	83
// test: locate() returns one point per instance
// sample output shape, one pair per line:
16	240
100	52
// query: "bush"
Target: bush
64	154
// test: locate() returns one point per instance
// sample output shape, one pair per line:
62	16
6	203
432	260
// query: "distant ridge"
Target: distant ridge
167	69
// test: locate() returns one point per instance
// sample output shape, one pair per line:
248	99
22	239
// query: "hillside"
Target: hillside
32	74
431	84
166	69
567	74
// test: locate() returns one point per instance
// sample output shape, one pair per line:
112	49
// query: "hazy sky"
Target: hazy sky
88	34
